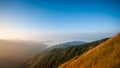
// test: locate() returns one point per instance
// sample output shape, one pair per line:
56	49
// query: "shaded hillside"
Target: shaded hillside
14	54
11	63
53	58
106	55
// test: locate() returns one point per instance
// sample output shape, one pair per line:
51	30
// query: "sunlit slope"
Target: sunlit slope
106	55
55	57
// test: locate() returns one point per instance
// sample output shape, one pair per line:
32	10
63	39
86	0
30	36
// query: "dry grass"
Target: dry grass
106	55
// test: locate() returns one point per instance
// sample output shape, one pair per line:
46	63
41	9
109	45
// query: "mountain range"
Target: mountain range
103	53
54	57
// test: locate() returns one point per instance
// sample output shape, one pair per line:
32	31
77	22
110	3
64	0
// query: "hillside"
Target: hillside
14	53
106	55
53	58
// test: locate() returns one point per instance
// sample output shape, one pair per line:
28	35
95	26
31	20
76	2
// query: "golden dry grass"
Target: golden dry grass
106	55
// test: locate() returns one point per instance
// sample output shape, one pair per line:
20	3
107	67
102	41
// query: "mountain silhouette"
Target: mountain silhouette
13	54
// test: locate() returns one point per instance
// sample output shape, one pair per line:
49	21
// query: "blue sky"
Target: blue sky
52	18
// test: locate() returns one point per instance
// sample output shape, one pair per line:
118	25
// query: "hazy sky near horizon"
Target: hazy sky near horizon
43	19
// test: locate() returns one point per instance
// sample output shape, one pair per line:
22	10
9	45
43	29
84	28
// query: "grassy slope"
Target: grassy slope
106	55
53	58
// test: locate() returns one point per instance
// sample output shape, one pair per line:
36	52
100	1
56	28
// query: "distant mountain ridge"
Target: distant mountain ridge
106	55
55	57
67	44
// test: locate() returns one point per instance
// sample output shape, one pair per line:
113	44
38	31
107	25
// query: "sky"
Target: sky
59	19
